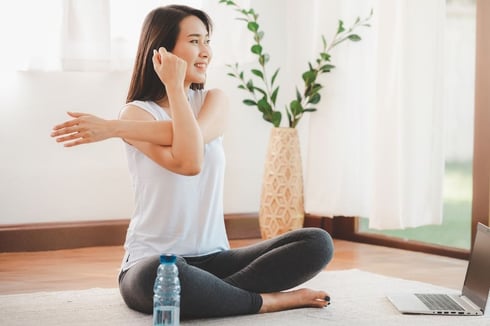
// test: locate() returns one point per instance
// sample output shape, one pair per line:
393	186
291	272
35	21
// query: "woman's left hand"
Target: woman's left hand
83	129
170	68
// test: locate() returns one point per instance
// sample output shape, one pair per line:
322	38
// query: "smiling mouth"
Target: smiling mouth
201	65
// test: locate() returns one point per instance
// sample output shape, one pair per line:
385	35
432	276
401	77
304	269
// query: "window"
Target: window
459	58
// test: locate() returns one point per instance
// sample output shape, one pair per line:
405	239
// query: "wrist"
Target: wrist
114	128
175	90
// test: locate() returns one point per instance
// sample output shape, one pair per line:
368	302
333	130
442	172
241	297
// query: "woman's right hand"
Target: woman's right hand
82	129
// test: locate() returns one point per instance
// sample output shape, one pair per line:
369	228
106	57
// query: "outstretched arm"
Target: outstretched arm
86	128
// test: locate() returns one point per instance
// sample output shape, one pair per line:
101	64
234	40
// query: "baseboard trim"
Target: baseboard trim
70	235
62	235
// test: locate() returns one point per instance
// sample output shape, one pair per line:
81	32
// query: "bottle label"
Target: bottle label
166	315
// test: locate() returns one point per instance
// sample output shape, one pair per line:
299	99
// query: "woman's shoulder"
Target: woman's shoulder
203	93
216	92
138	110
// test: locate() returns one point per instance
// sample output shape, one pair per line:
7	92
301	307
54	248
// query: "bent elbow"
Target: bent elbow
192	171
190	168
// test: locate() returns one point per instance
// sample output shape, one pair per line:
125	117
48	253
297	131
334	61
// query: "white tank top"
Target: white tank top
175	213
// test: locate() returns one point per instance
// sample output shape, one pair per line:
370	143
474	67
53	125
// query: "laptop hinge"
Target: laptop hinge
486	310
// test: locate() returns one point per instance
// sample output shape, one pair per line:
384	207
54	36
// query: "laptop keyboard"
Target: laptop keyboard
439	302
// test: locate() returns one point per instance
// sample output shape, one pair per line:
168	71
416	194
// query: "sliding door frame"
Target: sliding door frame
481	152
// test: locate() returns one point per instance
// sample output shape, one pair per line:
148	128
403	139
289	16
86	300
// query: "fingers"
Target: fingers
64	129
76	114
76	138
158	55
66	124
77	142
71	130
156	59
80	130
71	123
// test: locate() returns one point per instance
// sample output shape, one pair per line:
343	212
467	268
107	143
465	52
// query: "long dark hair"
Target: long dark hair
160	28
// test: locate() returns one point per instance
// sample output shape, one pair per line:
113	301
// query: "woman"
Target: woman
173	130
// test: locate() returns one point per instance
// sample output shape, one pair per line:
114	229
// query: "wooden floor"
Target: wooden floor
98	267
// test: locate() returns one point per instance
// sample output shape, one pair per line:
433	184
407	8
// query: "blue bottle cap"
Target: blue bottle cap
167	259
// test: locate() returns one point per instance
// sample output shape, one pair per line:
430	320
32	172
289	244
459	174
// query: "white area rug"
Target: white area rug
358	298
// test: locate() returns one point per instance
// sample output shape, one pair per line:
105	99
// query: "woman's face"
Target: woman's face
193	46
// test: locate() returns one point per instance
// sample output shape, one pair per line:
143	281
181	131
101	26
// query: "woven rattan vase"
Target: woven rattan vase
281	202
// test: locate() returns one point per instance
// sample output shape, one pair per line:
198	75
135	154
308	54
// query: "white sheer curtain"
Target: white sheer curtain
375	145
30	35
74	35
86	35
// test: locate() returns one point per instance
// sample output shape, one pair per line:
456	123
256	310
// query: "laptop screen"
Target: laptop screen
477	281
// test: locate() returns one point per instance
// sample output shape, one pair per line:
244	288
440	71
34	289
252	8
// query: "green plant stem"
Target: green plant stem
304	100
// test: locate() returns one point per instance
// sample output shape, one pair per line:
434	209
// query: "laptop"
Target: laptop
471	301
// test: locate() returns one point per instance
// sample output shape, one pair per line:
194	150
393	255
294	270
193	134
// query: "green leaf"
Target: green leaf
256	49
264	106
326	68
354	37
309	76
263	59
314	99
250	86
257	73
249	102
253	26
276	118
274	95
341	28
324	41
273	79
267	117
298	95
296	107
315	88
309	110
258	36
325	56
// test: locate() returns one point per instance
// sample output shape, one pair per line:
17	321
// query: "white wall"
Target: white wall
41	181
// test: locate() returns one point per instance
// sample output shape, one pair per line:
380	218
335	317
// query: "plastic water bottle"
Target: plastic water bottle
166	298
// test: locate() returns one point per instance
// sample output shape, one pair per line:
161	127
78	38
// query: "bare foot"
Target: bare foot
301	298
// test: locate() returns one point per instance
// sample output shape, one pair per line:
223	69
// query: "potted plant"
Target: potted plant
281	207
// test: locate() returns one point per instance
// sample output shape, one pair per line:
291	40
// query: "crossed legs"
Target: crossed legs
240	281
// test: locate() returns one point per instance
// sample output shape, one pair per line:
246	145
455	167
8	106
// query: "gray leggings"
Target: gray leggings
229	282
